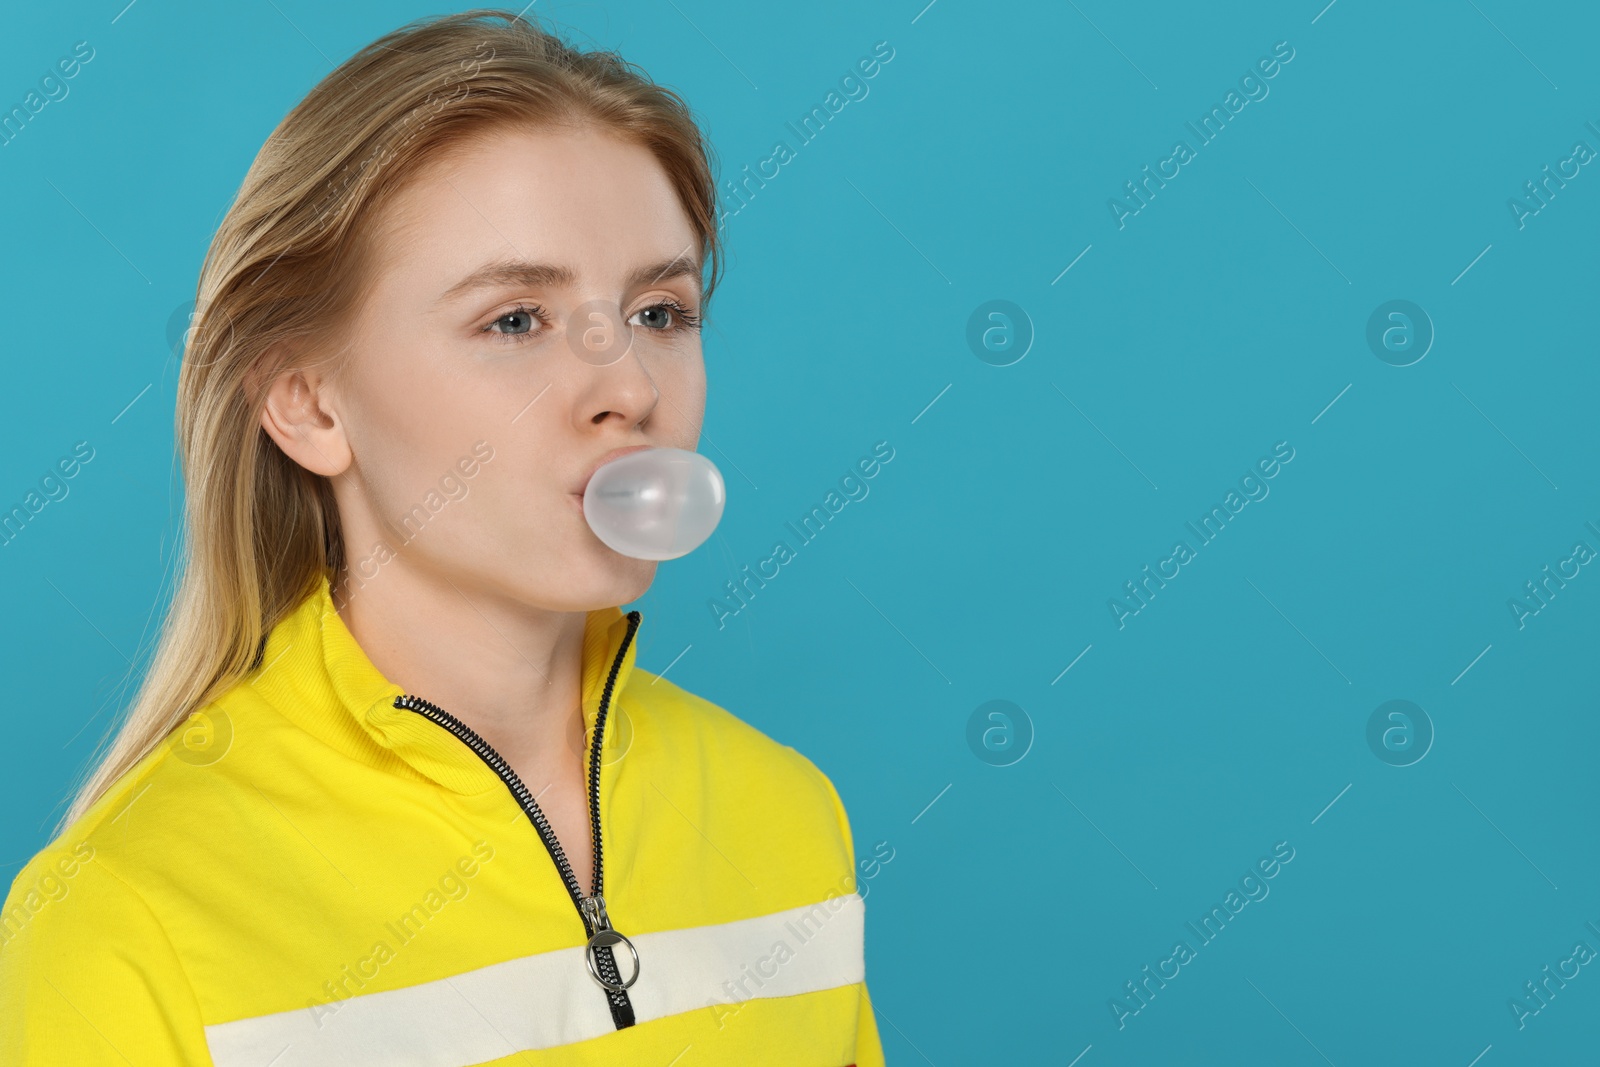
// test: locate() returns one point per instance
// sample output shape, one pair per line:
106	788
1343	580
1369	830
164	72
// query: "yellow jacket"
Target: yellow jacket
318	869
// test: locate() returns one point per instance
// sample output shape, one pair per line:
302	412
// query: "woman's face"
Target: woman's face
524	323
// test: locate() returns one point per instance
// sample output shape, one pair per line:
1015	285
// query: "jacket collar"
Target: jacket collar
312	671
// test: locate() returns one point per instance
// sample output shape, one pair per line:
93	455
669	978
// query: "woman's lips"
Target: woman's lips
615	453
576	496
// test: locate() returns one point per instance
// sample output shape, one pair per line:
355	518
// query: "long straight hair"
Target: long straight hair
285	271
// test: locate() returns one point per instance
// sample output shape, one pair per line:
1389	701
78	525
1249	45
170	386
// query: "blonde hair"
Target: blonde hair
288	266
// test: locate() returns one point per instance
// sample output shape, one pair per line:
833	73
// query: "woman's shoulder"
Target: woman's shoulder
691	723
79	936
67	898
700	737
154	818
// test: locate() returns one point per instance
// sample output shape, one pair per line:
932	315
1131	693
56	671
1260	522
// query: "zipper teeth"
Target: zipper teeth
519	789
486	752
594	750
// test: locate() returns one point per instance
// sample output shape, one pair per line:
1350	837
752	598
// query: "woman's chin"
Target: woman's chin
605	578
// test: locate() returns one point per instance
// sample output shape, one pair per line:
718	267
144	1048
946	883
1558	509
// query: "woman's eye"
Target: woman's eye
514	325
658	317
523	323
666	317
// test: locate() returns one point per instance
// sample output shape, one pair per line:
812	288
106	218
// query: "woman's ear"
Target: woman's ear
301	414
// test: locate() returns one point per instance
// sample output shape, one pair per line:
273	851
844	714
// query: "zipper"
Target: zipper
598	955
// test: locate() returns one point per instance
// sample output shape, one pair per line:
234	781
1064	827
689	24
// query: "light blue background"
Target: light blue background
1225	317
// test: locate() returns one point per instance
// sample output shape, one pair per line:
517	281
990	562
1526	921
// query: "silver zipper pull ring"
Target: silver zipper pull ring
594	909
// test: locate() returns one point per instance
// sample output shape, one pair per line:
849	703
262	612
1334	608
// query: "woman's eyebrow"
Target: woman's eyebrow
552	275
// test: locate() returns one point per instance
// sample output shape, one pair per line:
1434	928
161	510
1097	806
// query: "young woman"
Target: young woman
394	790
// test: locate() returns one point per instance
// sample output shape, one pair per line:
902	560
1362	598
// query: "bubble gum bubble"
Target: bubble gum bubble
657	503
